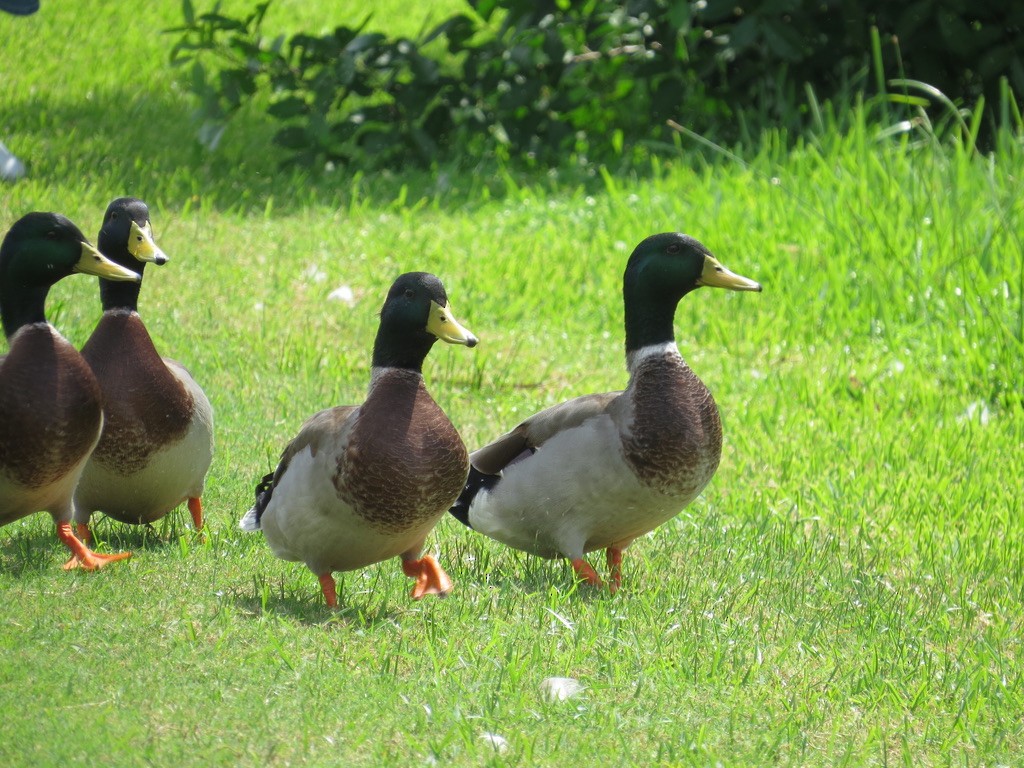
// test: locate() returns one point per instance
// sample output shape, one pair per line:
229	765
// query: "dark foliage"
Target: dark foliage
543	81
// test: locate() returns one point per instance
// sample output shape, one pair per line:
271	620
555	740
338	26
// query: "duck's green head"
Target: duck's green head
416	314
661	270
39	250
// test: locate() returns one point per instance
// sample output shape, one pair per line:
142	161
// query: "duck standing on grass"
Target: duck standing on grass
600	470
360	484
157	441
50	407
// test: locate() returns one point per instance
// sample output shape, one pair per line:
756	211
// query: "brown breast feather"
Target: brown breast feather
49	408
675	440
145	405
405	464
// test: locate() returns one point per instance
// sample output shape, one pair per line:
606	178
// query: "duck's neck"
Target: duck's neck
379	374
401	350
120	295
23	306
648	319
635	358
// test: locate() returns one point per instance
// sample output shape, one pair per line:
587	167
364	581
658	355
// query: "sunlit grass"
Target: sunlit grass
847	591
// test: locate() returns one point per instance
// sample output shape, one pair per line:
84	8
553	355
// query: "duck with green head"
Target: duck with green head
361	484
157	442
50	403
598	471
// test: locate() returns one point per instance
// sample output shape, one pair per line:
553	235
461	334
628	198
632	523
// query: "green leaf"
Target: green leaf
484	8
345	69
744	33
424	69
223	23
782	39
365	42
289	107
292	137
458	29
425	144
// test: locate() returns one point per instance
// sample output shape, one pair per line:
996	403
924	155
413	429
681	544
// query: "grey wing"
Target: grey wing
321	428
538	429
172	363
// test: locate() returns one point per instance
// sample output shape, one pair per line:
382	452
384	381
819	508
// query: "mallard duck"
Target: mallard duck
50	412
157	441
360	484
600	470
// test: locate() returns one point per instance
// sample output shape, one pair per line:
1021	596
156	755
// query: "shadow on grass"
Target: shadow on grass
31	550
511	571
560	579
301	601
113	535
35	548
144	144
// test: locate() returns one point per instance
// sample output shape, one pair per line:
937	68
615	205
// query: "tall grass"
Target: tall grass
848	590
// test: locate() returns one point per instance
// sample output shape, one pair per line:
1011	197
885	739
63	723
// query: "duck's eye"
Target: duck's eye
113	215
674	248
409	293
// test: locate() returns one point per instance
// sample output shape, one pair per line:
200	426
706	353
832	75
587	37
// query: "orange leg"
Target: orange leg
430	577
81	555
614	558
195	506
585	573
83	532
329	589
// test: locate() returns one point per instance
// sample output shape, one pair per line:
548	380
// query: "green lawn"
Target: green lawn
849	590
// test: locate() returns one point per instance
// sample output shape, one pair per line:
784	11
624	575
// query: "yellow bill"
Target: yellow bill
442	323
143	247
715	275
92	262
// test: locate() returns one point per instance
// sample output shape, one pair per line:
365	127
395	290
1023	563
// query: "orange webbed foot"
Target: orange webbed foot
430	577
83	557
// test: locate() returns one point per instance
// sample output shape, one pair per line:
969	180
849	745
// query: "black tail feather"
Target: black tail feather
475	481
264	490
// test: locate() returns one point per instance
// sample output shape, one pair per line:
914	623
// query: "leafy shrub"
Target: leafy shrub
548	80
961	47
528	90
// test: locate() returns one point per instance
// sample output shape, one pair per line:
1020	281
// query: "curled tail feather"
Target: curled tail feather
264	490
476	481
